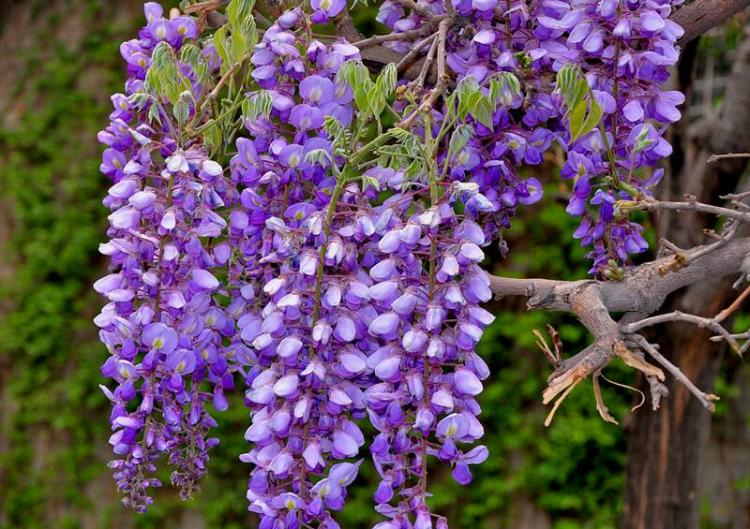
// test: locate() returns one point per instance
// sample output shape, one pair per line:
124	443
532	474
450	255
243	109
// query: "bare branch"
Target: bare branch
652	204
639	294
415	51
643	289
406	35
709	323
702	15
724	314
730	155
442	75
707	399
600	406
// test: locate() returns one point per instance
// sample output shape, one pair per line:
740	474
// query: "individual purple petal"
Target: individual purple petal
344	444
385	324
286	386
204	279
467	382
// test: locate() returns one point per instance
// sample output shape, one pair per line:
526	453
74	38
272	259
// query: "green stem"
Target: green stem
610	151
432	270
324	247
207	125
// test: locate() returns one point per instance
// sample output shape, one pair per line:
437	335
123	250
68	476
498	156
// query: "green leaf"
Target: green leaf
139	99
468	94
357	76
584	113
213	138
238	11
592	119
642	141
576	119
153	114
181	109
223	46
567	82
483	112
414	169
318	156
504	87
258	104
192	55
387	79
460	137
335	130
370	181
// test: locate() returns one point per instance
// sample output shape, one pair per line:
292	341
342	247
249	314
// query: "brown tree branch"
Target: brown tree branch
695	18
700	16
639	294
643	289
707	399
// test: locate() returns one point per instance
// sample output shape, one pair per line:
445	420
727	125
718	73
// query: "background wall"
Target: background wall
60	62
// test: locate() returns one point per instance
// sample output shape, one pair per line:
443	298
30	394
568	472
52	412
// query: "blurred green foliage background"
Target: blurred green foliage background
53	419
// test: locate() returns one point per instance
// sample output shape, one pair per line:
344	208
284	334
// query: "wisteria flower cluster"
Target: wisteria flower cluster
283	220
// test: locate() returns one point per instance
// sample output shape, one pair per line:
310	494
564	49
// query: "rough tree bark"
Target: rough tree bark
665	449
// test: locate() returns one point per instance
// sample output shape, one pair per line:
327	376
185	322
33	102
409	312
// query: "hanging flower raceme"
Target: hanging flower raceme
426	288
307	322
162	326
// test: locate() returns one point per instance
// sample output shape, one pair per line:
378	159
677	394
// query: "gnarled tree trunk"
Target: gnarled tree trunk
665	448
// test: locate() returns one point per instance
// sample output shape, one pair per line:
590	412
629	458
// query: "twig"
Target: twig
415	51
442	76
631	388
707	399
541	342
730	155
735	196
559	401
600	406
406	35
701	321
216	90
426	65
651	204
724	314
